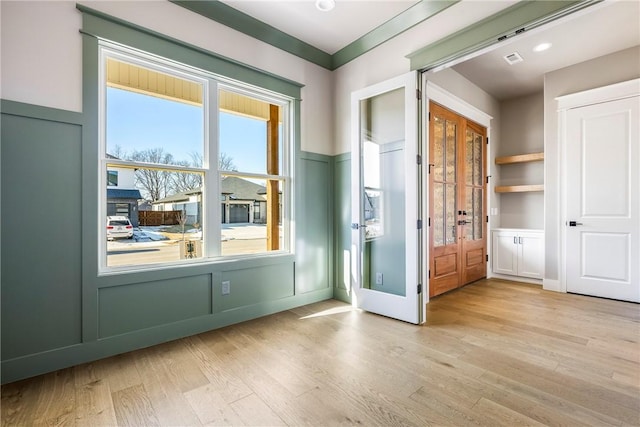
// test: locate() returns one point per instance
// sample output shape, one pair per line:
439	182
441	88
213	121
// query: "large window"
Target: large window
207	158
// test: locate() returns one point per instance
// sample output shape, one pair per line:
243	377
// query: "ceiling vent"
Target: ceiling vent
513	58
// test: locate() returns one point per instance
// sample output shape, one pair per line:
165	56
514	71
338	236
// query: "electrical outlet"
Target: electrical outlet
378	278
226	287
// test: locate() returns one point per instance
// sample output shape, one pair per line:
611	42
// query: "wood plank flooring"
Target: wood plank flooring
492	353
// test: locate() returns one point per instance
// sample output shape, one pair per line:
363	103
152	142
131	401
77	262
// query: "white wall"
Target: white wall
389	60
41	56
522	132
614	68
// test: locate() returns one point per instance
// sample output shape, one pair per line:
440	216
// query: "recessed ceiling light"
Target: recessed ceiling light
541	47
325	5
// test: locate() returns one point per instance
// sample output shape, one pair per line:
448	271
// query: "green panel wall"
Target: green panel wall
251	286
128	308
48	304
313	267
342	231
41	221
57	311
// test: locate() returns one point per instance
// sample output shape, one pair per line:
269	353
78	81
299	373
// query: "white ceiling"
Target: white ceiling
328	31
607	27
593	32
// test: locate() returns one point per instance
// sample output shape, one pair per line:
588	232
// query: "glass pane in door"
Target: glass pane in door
382	147
444	182
474	186
477	159
451	226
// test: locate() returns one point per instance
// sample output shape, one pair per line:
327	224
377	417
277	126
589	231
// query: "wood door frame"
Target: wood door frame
437	94
462	273
565	103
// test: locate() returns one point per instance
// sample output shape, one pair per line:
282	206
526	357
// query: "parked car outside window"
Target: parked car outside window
119	227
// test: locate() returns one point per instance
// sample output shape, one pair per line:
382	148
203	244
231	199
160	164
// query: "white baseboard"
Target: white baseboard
551	285
515	278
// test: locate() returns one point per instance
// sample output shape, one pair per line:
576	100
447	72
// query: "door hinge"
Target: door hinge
487	258
418	94
419	224
429	274
487	140
488	176
429	222
419	288
521	30
419	159
487	218
429	116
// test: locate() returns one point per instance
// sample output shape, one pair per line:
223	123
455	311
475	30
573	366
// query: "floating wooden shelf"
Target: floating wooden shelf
518	188
520	158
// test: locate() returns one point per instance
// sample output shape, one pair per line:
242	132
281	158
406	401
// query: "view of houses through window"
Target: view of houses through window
161	174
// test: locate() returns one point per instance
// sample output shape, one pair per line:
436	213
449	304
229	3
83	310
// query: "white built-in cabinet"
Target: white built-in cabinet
518	252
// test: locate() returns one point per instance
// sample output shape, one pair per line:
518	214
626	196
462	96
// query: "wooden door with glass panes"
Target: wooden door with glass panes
457	200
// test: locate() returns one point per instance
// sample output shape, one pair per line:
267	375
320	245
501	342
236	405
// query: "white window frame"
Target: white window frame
212	218
285	157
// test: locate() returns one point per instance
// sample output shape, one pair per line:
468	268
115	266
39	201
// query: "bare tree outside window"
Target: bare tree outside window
155	183
182	220
225	163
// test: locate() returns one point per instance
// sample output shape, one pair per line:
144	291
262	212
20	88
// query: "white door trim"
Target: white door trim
437	94
598	95
565	103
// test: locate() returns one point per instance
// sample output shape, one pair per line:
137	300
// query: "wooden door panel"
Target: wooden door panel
445	265
474	267
474	257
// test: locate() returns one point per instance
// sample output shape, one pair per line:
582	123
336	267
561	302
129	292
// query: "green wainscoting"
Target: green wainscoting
41	244
250	286
342	230
123	309
47	296
313	252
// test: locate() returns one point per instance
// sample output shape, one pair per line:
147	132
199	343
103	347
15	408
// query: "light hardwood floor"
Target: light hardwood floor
492	353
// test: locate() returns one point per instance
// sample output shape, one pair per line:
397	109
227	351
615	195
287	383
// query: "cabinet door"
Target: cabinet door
531	255
505	252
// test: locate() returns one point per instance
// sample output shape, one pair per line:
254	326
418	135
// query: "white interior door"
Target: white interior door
603	199
385	200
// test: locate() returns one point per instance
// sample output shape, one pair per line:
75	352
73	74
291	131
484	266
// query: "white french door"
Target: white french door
385	249
602	161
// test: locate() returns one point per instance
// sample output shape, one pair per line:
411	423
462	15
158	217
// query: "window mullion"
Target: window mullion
211	190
